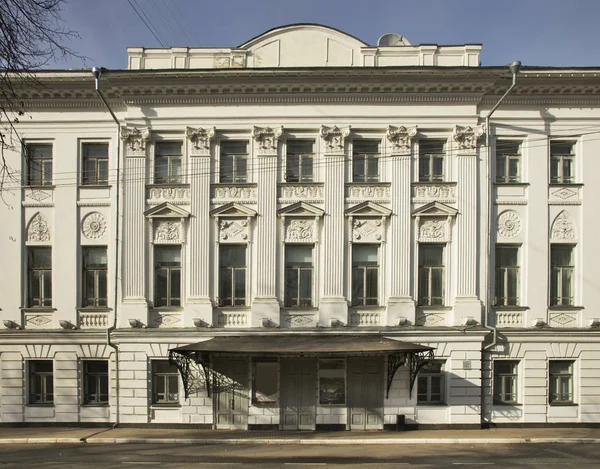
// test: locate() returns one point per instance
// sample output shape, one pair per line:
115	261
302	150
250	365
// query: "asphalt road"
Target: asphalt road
184	456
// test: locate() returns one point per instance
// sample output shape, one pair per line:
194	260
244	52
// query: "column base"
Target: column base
333	310
265	312
467	307
401	311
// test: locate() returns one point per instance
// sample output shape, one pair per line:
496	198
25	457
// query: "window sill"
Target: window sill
40	405
570	184
94	309
429	183
95	186
432	404
369	307
508	404
168	184
511	308
38	309
435	307
300	309
96	405
166	406
521	184
39	186
563	404
565	308
234	308
165	308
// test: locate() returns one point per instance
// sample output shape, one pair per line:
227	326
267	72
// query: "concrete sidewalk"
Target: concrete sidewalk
79	435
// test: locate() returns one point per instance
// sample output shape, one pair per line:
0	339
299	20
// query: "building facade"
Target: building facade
317	232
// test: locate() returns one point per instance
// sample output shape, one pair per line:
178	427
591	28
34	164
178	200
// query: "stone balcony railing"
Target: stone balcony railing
233	318
509	318
93	320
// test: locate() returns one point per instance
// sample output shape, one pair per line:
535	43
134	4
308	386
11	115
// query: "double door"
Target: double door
365	393
231	399
298	393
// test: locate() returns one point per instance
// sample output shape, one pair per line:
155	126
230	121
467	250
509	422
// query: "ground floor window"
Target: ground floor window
505	382
165	383
332	382
41	382
95	382
430	384
265	389
561	382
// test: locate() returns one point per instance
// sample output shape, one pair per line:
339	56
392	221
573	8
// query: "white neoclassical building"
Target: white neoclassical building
303	232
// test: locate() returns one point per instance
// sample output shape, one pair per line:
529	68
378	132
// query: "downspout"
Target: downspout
514	69
97	74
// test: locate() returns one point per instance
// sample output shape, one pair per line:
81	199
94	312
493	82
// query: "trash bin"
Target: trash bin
400	421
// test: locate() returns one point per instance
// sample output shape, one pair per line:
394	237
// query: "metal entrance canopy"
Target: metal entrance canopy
193	360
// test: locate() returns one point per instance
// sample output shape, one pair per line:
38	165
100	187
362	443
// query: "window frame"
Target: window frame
170	272
428	300
305	160
96	272
503	272
101	381
169	377
506	157
331	375
46	397
289	267
46	165
426	375
362	270
232	270
95	180
169	158
557	173
431	175
560	270
44	298
367	160
258	398
555	379
509	383
237	176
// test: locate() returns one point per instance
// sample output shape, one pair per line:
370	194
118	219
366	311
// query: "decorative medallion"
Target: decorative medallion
299	231
39	320
167	232
267	139
167	319
200	140
233	230
509	224
135	139
367	230
299	320
401	138
563	319
563	228
432	319
433	230
564	193
93	226
466	137
38	195
38	230
334	139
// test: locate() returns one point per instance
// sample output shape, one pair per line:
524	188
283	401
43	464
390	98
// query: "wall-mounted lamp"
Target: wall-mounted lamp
469	321
266	322
66	325
11	324
402	322
594	322
333	322
538	322
136	324
201	323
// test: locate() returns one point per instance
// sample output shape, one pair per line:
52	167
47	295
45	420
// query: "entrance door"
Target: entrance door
231	398
365	393
298	393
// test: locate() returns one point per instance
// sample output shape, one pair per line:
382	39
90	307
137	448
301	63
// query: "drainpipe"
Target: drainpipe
514	70
97	72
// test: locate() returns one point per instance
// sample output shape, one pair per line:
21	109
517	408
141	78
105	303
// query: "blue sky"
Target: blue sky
537	32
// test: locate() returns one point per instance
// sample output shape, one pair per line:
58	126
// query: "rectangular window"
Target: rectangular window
232	275
298	276
365	274
167	163
561	382
234	162
265	382
431	160
299	161
41	382
165	383
95	164
561	275
94	276
39	273
38	158
332	382
167	279
562	162
365	161
431	274
95	382
508	161
430	384
505	382
507	276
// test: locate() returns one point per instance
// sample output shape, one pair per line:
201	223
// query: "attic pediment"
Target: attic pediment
233	209
368	209
435	209
166	210
300	209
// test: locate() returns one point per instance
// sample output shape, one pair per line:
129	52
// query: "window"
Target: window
232	275
561	275
505	382
298	276
430	384
431	274
365	161
431	160
332	382
39	266
39	164
41	382
95	382
95	164
365	274
507	276
94	276
562	162
165	383
561	382
299	161
264	382
234	162
508	161
167	279
167	163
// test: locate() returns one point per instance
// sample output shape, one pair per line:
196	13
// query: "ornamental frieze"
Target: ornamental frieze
433	192
38	230
234	230
563	228
367	230
368	192
135	139
267	139
175	195
168	232
435	230
300	230
239	193
200	140
334	139
301	192
401	139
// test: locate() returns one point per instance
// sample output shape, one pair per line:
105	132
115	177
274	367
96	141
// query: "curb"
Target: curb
301	441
